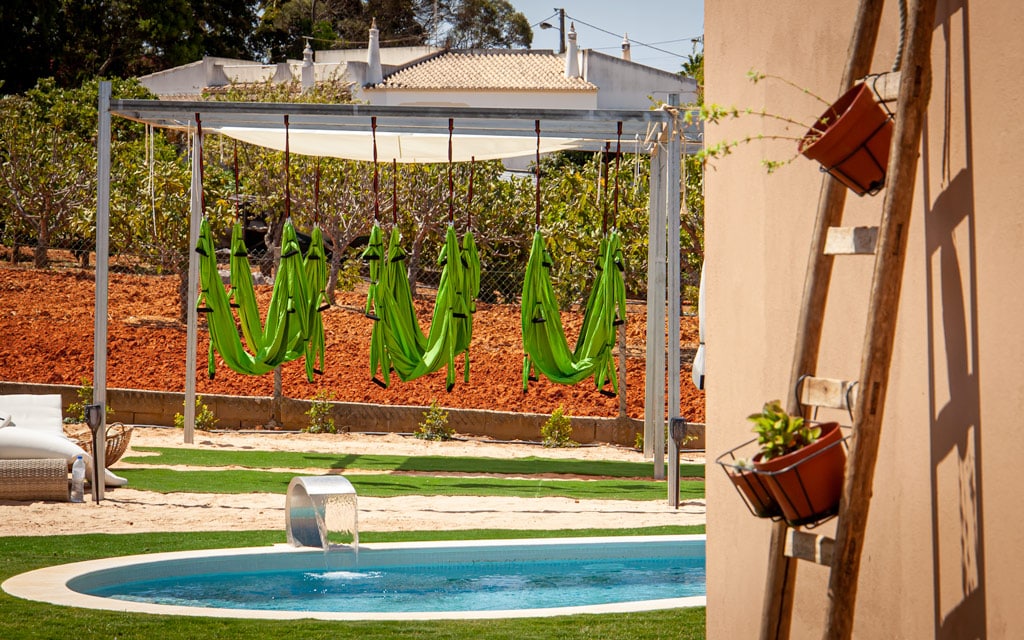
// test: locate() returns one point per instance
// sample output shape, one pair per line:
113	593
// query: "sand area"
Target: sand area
126	510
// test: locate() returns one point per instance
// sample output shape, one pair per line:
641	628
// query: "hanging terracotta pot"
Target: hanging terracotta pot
807	483
851	141
754	490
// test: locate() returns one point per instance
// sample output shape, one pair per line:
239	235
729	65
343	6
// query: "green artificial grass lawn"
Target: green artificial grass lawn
35	620
451	464
248	481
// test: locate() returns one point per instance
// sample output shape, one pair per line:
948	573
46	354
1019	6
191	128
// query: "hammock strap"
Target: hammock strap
451	181
199	154
316	192
604	188
235	148
394	191
536	169
618	154
287	173
376	173
151	162
469	198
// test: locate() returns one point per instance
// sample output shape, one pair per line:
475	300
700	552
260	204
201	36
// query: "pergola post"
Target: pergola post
672	171
195	215
654	396
99	352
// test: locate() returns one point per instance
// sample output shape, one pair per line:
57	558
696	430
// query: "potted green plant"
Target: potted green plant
850	139
802	464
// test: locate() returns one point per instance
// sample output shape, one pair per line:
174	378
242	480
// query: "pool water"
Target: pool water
464	586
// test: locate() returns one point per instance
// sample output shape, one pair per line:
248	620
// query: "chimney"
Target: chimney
308	76
374	75
572	64
625	47
282	73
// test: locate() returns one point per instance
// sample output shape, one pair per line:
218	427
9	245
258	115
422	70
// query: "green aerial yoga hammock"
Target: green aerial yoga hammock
293	327
397	342
544	343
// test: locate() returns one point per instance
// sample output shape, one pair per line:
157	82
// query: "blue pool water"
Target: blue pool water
465	587
464	578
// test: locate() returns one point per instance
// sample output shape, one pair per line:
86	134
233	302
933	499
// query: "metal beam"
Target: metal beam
583	124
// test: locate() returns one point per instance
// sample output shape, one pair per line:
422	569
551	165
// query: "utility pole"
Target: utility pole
561	31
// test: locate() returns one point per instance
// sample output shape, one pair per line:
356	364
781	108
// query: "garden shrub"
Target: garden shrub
435	424
557	431
320	420
205	420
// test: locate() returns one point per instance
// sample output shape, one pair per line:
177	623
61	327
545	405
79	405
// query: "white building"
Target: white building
432	76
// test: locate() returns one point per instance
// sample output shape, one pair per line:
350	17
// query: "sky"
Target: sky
667	25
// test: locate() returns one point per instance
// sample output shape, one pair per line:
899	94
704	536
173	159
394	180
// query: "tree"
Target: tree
334	23
48	174
694	68
578	201
343	208
76	41
48	142
396	20
30	37
474	24
692	213
692	225
48	165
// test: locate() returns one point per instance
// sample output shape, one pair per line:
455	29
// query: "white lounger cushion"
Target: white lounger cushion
19	443
40	412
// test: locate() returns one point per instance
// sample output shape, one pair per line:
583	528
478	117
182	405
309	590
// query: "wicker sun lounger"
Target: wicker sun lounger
34	479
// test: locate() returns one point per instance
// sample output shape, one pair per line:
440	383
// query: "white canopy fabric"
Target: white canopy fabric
403	147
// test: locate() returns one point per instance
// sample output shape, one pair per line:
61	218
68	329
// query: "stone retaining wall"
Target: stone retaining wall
237	412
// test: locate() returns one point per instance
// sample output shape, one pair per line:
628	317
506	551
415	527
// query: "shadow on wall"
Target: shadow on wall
958	553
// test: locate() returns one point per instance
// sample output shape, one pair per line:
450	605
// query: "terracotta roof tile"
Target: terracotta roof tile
488	69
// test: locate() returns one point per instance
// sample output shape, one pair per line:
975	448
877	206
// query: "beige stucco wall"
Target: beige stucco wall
942	554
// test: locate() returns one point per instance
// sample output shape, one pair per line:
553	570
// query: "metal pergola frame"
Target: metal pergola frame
662	129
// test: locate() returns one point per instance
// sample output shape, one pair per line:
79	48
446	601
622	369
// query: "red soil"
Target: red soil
47	328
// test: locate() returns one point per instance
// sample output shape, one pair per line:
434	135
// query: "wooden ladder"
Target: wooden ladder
788	544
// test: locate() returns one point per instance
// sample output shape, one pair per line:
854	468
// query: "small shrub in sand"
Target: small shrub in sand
557	431
435	424
205	420
320	420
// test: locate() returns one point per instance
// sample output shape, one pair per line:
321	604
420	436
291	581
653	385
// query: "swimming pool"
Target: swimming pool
480	579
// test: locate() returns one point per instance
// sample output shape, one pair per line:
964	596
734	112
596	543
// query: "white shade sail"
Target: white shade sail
403	147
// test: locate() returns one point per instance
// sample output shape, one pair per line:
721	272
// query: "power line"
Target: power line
537	24
690	39
619	35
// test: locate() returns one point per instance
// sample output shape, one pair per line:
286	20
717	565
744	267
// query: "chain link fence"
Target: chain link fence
497	286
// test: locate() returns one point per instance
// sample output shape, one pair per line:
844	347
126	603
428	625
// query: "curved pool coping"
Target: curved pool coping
50	584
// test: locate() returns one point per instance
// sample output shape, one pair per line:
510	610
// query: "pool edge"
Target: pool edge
49	585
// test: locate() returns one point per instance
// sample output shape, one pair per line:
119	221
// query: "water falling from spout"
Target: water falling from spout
317	505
